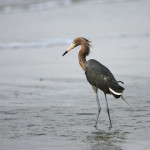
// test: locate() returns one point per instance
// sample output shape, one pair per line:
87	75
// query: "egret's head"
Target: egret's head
79	41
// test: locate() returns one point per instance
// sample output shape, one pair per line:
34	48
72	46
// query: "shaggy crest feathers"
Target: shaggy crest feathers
85	43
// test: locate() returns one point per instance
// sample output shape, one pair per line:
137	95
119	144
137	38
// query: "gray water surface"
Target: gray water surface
38	117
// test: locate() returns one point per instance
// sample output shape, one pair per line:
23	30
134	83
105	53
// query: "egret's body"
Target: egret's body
97	74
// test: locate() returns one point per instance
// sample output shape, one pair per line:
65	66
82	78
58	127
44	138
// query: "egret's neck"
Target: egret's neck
82	57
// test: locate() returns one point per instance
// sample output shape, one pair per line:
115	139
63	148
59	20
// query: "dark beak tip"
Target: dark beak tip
65	53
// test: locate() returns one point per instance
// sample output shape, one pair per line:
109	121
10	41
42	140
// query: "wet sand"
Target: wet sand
45	100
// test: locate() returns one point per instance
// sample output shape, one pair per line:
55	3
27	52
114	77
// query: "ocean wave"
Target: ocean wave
17	6
21	6
45	43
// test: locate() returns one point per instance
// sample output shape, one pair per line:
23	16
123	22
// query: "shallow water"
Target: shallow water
64	116
45	100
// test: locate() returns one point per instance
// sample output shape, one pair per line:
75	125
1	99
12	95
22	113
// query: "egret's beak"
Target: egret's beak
65	53
70	48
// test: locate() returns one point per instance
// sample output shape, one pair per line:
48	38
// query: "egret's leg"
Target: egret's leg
99	109
108	110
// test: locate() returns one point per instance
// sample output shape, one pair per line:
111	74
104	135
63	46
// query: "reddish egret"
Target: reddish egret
97	75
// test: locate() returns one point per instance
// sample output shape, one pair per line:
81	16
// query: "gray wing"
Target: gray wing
101	77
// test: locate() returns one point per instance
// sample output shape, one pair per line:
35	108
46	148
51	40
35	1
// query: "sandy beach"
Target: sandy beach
45	99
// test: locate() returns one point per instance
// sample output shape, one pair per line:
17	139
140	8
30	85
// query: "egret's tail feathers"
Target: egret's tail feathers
113	92
125	101
120	82
115	89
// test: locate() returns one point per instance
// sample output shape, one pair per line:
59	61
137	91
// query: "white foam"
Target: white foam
22	6
46	43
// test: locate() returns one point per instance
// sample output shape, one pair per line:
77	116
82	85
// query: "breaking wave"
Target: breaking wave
45	43
15	6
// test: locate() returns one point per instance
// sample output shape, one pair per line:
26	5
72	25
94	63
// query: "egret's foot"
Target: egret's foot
110	127
95	125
